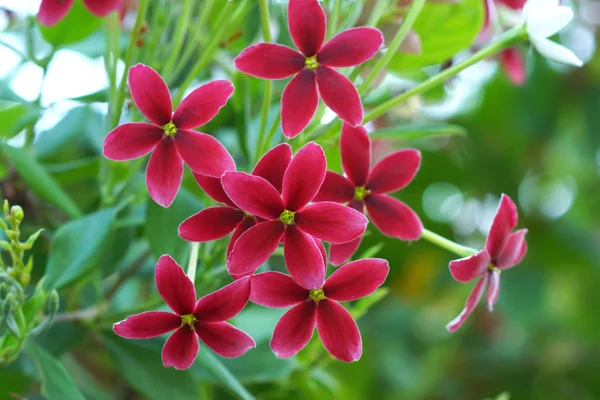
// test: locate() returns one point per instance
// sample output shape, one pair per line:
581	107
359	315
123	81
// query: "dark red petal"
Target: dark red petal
164	173
294	330
176	289
331	222
101	8
203	153
304	176
340	95
224	339
277	290
468	268
214	189
307	25
338	331
322	250
242	227
150	94
336	188
395	171
298	103
224	303
202	105
356	279
514	250
269	61
513	63
493	289
470	305
52	11
351	47
303	258
339	253
393	218
253	194
180	349
273	164
254	247
130	141
147	325
355	148
504	222
212	223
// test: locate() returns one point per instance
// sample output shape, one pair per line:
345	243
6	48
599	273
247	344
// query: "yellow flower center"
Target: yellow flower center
287	217
361	192
188	320
317	295
170	129
311	63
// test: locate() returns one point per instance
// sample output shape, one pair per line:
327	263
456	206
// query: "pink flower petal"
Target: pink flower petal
224	339
338	331
395	171
331	222
203	153
214	189
355	148
304	176
254	247
340	95
351	47
307	25
504	222
493	289
356	279
150	94
174	286
276	290
180	349
253	194
131	140
514	250
164	173
339	253
52	11
470	305
242	227
202	105
303	258
101	8
273	164
393	218
147	325
269	61
336	188
322	250
294	330
513	63
298	103
468	268
212	223
224	303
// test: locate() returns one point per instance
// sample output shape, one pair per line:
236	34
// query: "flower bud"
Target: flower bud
17	211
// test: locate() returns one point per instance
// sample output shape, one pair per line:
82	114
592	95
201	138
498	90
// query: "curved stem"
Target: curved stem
266	31
182	24
440	241
191	272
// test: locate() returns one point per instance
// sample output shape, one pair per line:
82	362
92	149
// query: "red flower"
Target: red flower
503	249
365	186
216	222
312	66
191	320
337	330
288	216
171	137
52	11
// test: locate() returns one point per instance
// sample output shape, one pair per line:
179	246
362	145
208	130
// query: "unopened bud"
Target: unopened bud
31	240
17	211
6	208
53	303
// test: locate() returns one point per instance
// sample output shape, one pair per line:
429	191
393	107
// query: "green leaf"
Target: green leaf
445	29
76	247
211	363
54	139
78	24
16	116
413	132
39	180
56	381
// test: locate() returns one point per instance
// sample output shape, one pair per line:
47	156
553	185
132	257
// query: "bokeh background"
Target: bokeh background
538	143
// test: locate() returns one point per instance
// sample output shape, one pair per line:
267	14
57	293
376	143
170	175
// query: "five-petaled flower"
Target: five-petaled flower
52	11
365	186
503	249
171	137
216	222
313	66
289	216
191	320
319	306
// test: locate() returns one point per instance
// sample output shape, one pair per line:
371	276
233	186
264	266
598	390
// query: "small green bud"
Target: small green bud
12	235
6	208
53	303
3	225
31	240
5	245
17	211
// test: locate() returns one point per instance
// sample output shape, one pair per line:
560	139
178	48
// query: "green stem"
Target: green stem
270	135
266	31
191	272
440	241
18	52
407	23
182	24
333	20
